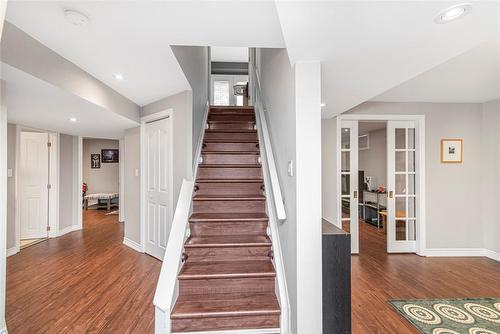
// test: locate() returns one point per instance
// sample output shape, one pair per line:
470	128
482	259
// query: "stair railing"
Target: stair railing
167	289
274	199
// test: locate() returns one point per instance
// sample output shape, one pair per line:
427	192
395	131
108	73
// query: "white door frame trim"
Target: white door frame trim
54	181
144	120
420	122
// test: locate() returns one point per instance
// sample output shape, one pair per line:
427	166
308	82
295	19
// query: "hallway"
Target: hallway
378	277
83	282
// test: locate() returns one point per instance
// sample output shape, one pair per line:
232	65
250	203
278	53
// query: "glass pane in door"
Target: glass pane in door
221	93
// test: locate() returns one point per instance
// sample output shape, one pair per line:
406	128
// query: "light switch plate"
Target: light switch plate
136	172
290	168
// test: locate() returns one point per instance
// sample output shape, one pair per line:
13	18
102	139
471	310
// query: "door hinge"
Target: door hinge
49	186
49	144
48	228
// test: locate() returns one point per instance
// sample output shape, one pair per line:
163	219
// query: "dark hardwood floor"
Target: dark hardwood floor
378	277
83	282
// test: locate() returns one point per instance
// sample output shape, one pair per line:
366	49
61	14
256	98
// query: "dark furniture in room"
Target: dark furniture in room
336	280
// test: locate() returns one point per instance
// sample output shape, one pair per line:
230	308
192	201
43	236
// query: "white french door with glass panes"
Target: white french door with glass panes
402	198
223	90
348	172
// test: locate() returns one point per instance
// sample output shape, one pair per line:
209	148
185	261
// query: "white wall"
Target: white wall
453	190
104	179
373	161
292	97
132	185
11	186
194	61
279	96
67	194
490	174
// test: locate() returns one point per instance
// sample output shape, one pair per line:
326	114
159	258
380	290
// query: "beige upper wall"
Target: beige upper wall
449	187
23	52
104	179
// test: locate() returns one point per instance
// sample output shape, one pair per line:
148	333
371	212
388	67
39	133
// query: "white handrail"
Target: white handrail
166	289
273	175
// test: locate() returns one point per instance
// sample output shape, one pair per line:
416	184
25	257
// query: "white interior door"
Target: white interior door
33	180
158	187
401	186
349	180
223	92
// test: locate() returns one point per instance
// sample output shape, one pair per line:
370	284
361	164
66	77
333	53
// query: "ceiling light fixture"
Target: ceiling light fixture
118	76
76	18
72	119
452	13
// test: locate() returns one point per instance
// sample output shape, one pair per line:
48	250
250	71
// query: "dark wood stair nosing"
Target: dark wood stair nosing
198	315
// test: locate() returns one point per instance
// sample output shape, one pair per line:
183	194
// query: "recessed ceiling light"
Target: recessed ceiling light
72	119
452	13
322	105
118	76
76	18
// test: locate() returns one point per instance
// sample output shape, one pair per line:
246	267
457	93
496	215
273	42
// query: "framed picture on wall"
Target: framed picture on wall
109	156
95	161
451	150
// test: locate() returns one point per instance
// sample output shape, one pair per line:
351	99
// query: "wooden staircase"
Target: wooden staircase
228	279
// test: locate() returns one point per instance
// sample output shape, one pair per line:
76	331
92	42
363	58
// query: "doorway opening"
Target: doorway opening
229	76
100	184
380	180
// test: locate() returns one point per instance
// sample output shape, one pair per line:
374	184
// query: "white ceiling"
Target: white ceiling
134	38
367	48
229	54
473	76
37	104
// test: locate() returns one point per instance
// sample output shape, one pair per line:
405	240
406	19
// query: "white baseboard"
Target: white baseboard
68	229
11	251
132	244
239	331
462	252
492	255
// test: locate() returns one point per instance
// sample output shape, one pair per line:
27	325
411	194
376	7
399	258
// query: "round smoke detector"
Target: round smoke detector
76	18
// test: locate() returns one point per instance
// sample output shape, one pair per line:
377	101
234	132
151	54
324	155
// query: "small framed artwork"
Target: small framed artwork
452	150
95	161
109	156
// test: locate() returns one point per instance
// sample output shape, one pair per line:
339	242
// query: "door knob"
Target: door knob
355	194
391	194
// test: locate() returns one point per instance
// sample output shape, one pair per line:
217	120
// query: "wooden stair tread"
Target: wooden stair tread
225	305
230	131
253	180
227	269
236	141
228	217
231	152
230	166
229	241
235	197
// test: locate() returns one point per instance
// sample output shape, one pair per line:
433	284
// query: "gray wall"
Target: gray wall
490	174
104	179
194	61
67	191
374	160
279	96
181	104
131	160
11	186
